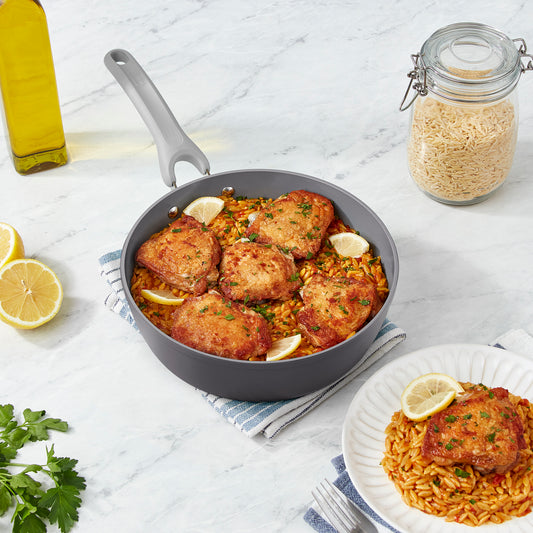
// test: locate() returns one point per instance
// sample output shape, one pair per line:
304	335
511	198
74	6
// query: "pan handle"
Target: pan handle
172	143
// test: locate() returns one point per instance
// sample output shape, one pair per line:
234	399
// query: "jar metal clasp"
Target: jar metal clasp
522	51
417	83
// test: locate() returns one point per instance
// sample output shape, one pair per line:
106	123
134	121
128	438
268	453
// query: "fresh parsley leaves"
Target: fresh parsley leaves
19	484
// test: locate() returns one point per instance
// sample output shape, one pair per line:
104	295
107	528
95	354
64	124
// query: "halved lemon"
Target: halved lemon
349	244
30	293
205	209
11	246
428	394
283	347
161	296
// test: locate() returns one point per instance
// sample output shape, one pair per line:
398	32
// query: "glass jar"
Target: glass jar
464	112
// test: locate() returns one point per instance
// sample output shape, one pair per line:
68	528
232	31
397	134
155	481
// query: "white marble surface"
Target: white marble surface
310	86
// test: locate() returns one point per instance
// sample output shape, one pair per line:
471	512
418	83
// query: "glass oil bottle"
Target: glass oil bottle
29	90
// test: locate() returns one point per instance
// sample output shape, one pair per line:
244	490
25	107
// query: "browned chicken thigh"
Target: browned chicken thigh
335	307
480	428
185	255
296	222
213	324
251	271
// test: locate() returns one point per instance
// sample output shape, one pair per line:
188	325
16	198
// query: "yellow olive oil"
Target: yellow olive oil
29	90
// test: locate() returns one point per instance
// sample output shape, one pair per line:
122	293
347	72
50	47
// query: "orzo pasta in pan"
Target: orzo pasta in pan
251	220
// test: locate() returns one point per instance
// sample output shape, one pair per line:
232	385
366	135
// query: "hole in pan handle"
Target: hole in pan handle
172	143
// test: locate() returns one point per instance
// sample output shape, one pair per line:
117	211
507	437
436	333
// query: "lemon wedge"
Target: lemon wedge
30	293
162	296
205	209
11	246
283	347
428	394
349	244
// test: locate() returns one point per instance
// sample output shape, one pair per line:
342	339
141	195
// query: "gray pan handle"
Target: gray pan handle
172	143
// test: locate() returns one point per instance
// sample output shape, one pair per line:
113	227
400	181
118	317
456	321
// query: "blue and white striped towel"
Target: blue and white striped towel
515	340
252	418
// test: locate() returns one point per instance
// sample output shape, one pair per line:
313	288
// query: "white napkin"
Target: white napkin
253	418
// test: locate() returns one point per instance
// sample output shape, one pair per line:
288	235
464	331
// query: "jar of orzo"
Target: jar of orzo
463	111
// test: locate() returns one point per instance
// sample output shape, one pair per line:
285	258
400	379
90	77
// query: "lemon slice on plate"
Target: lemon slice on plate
283	347
11	246
30	293
161	296
205	209
349	244
428	394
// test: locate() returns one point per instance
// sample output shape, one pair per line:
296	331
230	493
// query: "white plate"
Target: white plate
363	435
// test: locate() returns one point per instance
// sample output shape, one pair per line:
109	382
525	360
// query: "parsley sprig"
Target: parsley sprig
33	505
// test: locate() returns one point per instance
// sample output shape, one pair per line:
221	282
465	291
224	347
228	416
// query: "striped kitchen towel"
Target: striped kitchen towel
115	299
515	340
253	418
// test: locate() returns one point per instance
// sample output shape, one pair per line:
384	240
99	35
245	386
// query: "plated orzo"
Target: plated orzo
460	492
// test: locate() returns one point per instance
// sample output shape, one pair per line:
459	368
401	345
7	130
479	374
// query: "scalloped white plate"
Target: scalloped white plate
363	435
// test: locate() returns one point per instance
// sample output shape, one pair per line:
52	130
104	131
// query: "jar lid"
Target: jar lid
470	62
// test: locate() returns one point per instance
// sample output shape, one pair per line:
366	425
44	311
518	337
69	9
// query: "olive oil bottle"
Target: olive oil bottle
29	90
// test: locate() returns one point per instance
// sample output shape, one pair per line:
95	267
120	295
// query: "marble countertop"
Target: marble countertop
308	86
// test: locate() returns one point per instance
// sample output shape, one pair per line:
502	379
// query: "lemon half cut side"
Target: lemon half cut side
428	394
30	293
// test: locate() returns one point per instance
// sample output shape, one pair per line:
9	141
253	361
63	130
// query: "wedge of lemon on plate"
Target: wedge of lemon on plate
11	246
205	209
282	348
428	394
30	293
349	244
161	296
